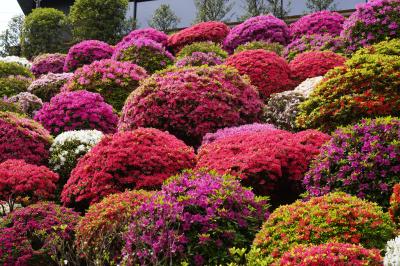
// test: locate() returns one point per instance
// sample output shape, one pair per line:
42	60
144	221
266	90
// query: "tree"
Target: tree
278	7
10	38
164	18
319	5
254	8
212	10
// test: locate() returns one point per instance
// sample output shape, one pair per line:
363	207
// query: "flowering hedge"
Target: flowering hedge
142	158
23	138
48	63
200	59
273	162
203	47
392	252
205	31
147	33
99	235
112	79
36	235
203	99
372	22
394	209
85	53
47	86
267	71
27	103
267	46
262	28
77	110
195	219
146	53
16	59
336	217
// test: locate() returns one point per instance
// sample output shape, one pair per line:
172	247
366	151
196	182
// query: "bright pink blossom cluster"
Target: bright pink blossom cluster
147	33
48	63
200	59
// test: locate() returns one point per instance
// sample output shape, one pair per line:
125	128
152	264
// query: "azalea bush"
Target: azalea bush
27	103
48	63
48	85
16	59
7	106
142	158
267	46
112	79
267	71
77	110
388	47
200	59
146	33
203	100
85	53
195	219
13	69
392	252
262	28
202	47
394	209
13	85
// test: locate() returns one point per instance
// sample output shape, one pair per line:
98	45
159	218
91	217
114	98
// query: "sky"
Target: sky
8	9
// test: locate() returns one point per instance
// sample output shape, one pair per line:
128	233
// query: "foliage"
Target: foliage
47	86
278	9
212	10
13	85
13	69
164	18
27	102
320	5
203	47
10	38
387	47
392	252
7	106
19	60
255	45
48	63
394	209
200	59
254	8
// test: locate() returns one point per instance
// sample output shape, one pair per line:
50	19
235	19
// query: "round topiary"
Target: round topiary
146	53
47	86
203	99
267	71
392	252
13	85
27	103
314	64
99	235
195	219
77	110
48	63
388	47
23	138
13	69
255	45
200	59
85	53
36	235
142	158
16	59
205	31
322	22
394	209
273	162
203	47
372	22
112	79
262	28
336	217
147	33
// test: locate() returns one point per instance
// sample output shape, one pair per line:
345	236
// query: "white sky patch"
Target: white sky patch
8	9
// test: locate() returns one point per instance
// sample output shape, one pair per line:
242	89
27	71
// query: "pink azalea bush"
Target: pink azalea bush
48	63
147	33
27	102
199	59
48	85
77	110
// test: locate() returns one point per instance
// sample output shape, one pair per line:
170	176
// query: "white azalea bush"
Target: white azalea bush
392	257
16	59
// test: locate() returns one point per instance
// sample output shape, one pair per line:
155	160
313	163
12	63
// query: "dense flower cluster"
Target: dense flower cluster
203	47
394	209
48	85
27	103
267	71
262	28
36	235
336	217
147	33
190	102
48	63
372	22
23	138
13	69
85	53
99	233
314	64
273	162
112	79
77	110
267	46
142	158
12	85
392	252
205	31
16	59
196	218
146	53
200	59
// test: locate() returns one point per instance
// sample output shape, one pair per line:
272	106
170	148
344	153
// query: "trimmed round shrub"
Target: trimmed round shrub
48	63
195	219
147	33
8	106
200	59
23	138
205	31
203	47
267	71
272	162
27	103
13	85
371	23
322	22
146	53
314	64
388	47
362	160
262	28
77	110
392	252
86	52
255	45
394	209
203	99
333	254
36	235
13	69
16	59
47	86
142	158
99	234
112	79
336	217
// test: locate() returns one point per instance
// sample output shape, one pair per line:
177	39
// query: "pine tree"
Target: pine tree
254	8
10	38
279	8
319	5
212	10
164	18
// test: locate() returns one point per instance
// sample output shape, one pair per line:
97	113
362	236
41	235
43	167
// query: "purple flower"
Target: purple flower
199	59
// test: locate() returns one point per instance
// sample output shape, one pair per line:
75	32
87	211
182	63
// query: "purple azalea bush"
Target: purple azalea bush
48	63
199	59
49	85
147	33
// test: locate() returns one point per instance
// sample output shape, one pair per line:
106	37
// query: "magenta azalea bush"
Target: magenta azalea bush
85	53
262	28
195	218
77	110
47	86
199	59
147	33
48	63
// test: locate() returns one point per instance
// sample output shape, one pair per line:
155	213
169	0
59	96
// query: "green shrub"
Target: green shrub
13	85
204	47
6	106
13	69
271	47
389	47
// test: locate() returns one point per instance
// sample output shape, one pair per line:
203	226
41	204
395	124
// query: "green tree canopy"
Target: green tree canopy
164	18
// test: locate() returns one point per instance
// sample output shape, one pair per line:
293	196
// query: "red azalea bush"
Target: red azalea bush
190	102
23	138
394	209
142	158
314	64
267	71
48	63
77	110
273	162
205	31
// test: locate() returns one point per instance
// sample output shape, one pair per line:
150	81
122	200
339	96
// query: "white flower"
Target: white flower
392	257
307	86
19	60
